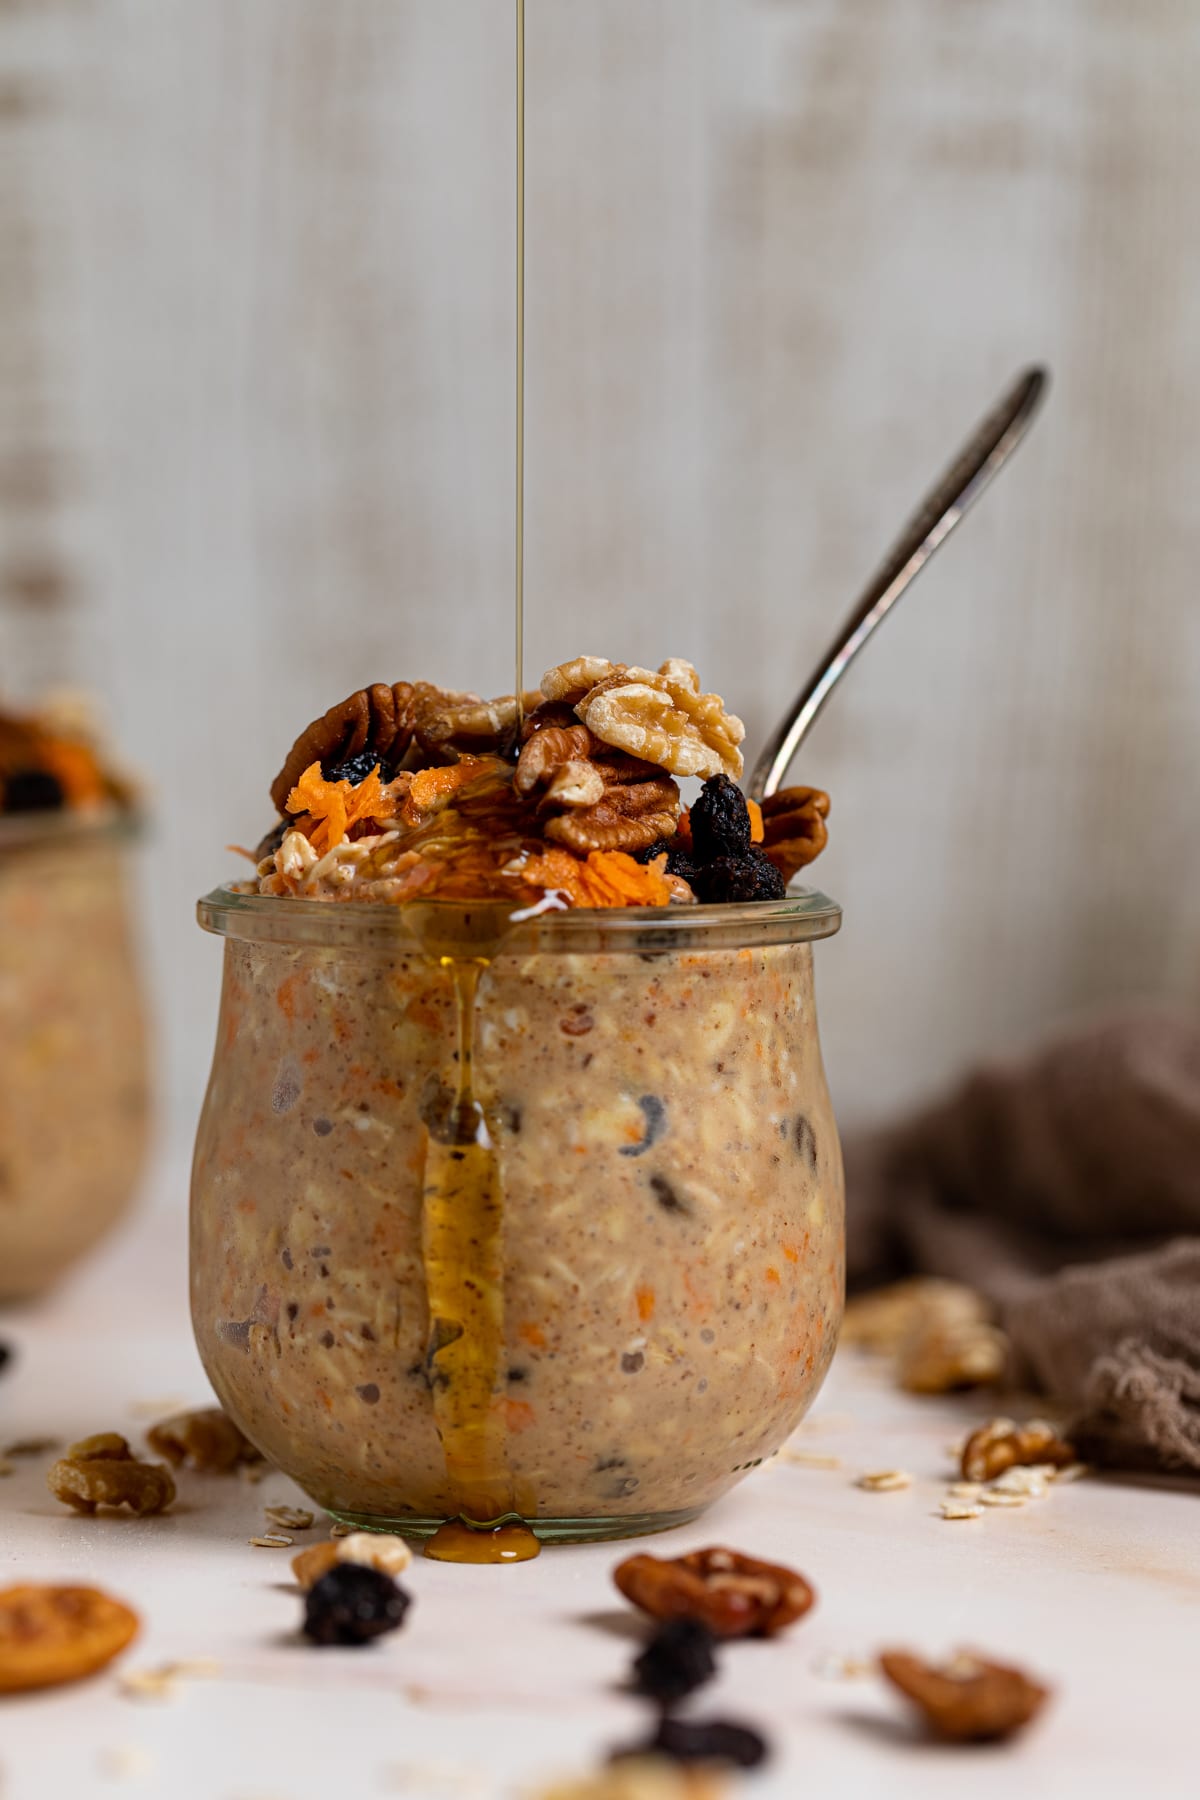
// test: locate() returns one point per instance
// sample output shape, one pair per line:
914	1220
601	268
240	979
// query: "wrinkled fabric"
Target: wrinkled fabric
1067	1189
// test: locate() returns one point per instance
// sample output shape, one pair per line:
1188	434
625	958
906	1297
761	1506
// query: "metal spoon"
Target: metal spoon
984	454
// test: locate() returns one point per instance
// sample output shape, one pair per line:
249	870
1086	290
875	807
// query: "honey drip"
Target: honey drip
463	1201
462	1220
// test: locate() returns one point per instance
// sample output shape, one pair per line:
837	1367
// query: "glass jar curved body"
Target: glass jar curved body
555	1231
74	1105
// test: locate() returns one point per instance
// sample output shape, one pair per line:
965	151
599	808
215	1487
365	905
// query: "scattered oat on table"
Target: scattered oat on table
272	1540
31	1446
1001	1497
961	1509
289	1518
809	1459
124	1761
162	1682
884	1481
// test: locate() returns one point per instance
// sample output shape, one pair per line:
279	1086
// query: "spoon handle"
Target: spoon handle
986	451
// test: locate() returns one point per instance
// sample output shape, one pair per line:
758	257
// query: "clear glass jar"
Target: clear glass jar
74	1102
546	1224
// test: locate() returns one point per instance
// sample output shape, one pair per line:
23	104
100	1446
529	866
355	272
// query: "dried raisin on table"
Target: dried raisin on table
352	1605
678	1659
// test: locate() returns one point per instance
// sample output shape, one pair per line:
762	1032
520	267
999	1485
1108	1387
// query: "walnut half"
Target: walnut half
102	1471
1002	1444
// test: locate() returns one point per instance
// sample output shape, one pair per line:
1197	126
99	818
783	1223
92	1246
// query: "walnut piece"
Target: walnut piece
570	681
938	1331
206	1439
664	719
734	1595
1003	1444
969	1699
625	818
102	1471
794	829
370	1549
50	1635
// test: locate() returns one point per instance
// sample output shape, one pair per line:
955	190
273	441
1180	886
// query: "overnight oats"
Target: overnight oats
517	1200
73	1075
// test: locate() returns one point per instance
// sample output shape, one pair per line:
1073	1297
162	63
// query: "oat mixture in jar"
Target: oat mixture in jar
74	1110
518	1194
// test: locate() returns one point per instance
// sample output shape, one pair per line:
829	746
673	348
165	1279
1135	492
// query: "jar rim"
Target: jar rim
50	829
802	916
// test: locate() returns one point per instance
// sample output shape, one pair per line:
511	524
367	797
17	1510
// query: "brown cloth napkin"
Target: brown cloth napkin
1067	1189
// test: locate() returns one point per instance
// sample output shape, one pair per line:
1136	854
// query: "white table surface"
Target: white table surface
503	1677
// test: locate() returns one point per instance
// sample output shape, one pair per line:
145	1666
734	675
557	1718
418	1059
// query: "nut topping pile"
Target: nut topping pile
571	799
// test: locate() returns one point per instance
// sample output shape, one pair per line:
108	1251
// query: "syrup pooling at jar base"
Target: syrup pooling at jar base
669	1238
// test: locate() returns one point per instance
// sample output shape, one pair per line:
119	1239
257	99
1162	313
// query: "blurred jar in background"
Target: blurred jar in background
74	1102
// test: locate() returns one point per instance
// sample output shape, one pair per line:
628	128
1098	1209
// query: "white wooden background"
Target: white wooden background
256	419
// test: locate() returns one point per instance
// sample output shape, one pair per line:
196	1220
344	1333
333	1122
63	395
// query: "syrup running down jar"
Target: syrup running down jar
74	1099
515	1212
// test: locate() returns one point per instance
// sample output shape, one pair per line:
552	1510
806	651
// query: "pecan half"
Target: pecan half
969	1699
734	1595
462	724
379	718
626	818
794	829
102	1471
206	1439
1002	1444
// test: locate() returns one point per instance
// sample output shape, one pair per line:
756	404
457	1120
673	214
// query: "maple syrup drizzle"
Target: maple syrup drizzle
462	1251
520	446
463	1202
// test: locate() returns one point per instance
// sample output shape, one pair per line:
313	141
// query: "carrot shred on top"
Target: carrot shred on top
335	806
606	878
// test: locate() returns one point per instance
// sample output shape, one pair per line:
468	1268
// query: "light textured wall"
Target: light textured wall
256	423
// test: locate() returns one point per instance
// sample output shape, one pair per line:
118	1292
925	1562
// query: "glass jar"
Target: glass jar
543	1222
74	1106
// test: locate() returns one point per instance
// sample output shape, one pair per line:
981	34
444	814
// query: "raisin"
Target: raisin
651	852
355	769
720	820
654	1113
678	1659
353	1604
5	1355
681	862
701	1741
33	790
750	876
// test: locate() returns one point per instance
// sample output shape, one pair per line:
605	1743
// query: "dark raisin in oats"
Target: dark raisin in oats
355	769
749	876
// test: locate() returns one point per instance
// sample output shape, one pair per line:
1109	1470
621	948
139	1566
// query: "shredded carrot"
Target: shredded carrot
606	878
756	821
645	1303
519	1415
683	829
334	806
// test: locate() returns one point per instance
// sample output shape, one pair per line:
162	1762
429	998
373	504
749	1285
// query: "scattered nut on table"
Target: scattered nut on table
50	1635
734	1595
103	1471
1001	1443
205	1439
967	1699
371	1549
